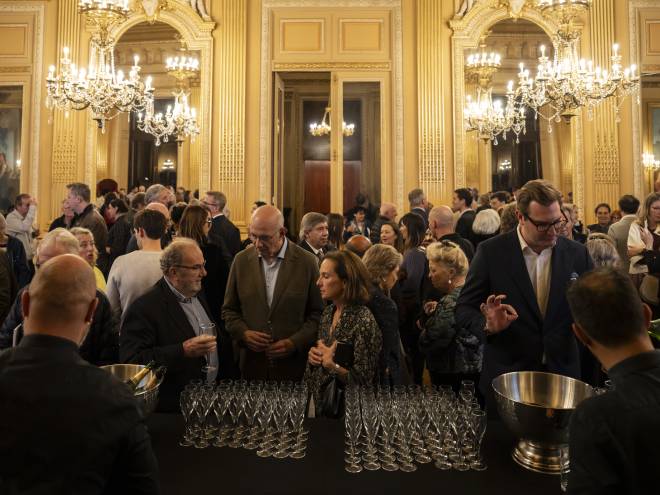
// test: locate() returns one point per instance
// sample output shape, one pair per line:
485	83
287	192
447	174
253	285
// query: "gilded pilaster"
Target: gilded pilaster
194	157
430	103
229	172
68	129
604	148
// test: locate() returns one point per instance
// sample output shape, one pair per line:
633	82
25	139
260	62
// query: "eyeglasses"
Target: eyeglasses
198	268
261	238
544	227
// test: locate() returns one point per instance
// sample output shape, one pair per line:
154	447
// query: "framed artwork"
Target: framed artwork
11	113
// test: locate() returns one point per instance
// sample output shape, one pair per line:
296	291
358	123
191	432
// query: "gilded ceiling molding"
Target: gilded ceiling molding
35	90
197	34
266	83
16	69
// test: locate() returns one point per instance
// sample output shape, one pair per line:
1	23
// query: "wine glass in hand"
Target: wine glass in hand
208	329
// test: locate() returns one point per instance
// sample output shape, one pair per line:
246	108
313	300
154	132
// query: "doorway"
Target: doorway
315	168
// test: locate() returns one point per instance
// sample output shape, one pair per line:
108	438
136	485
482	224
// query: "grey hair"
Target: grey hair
219	197
380	260
486	222
152	193
309	221
173	254
603	252
416	197
62	237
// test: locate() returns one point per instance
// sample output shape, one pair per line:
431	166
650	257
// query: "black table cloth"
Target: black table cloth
187	470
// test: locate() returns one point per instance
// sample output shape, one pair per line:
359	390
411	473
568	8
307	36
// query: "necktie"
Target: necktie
319	255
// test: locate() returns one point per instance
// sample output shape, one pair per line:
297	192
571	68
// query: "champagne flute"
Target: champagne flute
208	329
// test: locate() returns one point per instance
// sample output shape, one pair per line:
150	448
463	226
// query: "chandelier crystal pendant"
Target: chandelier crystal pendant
102	89
181	120
649	161
491	119
323	128
566	83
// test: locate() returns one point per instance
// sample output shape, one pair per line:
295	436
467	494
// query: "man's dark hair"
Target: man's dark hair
629	204
19	199
120	204
501	196
603	205
81	190
465	194
537	190
138	200
605	303
153	222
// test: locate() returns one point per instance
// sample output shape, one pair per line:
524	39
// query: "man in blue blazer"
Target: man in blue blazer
530	268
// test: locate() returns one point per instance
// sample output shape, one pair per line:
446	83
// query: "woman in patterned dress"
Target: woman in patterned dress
344	282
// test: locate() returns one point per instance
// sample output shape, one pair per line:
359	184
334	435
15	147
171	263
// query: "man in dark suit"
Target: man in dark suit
163	325
441	225
222	227
314	234
419	205
87	216
91	435
461	203
531	267
272	305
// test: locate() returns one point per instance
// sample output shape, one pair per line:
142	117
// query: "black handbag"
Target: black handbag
331	399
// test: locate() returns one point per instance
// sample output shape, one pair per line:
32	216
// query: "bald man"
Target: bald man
101	345
441	225
166	239
388	213
91	435
272	305
358	244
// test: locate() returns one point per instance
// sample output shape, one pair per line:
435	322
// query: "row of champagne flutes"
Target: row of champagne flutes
266	416
395	429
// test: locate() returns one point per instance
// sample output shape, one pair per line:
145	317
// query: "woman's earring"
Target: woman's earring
449	281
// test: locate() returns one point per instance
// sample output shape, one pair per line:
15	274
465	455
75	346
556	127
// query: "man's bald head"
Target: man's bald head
159	207
268	216
441	220
388	210
61	298
267	231
358	244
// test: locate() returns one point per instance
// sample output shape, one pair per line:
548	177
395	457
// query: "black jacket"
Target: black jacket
18	261
154	329
100	347
387	316
462	242
8	287
118	237
464	224
499	268
67	426
215	282
228	232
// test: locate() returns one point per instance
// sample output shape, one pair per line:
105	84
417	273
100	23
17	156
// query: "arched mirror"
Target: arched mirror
543	150
137	157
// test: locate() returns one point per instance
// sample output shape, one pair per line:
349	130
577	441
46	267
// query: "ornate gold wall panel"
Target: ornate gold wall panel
430	102
603	153
229	176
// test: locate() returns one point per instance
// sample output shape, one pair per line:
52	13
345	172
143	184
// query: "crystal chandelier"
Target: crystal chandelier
649	161
106	92
480	66
323	128
566	83
490	119
504	166
180	120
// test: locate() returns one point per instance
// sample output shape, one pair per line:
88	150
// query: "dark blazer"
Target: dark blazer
462	242
294	313
67	426
418	210
464	224
118	237
225	229
499	268
101	345
8	287
305	245
154	329
91	219
18	261
215	282
387	316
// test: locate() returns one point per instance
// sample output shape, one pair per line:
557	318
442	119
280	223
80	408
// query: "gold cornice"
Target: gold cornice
288	66
15	69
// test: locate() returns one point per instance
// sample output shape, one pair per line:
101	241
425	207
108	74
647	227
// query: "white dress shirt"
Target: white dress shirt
271	270
539	268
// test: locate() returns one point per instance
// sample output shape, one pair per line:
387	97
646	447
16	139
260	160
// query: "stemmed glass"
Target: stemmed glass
236	407
280	414
297	414
388	423
371	421
265	413
187	403
224	397
208	329
353	421
205	399
479	421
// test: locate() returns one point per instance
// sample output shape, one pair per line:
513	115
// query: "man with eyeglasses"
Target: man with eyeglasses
272	305
165	325
530	268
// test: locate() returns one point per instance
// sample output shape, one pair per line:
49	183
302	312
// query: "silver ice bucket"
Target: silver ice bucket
147	398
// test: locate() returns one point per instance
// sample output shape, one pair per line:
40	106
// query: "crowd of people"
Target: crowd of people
487	285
